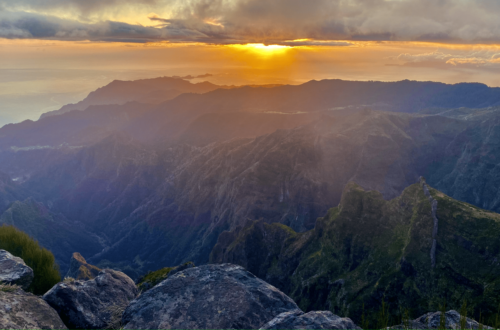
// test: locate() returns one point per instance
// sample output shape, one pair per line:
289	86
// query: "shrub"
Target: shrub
8	287
41	260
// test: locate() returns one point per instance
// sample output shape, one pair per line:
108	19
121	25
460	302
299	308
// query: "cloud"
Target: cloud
36	26
321	22
486	59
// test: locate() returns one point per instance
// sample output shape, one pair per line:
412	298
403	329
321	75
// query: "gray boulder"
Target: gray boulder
220	296
311	320
21	310
92	304
432	320
13	270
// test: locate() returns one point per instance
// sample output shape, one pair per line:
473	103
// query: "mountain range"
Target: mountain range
140	184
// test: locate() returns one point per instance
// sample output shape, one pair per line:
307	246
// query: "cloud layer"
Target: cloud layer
321	22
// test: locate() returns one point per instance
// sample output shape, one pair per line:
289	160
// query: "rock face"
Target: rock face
79	269
432	320
13	270
92	304
21	310
311	320
208	297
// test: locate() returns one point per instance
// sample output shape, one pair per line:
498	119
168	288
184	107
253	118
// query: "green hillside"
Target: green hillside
368	249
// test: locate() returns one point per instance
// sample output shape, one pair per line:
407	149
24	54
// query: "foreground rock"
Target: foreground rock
311	320
21	310
13	270
79	269
93	304
431	321
208	297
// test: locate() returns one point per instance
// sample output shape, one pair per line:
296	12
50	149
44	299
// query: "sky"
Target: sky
54	52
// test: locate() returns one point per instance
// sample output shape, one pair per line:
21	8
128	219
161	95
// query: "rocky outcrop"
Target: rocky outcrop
21	310
311	320
79	269
13	270
337	265
93	304
208	297
432	321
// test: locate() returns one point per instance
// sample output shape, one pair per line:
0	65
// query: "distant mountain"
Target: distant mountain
367	249
164	207
157	184
149	91
160	124
76	128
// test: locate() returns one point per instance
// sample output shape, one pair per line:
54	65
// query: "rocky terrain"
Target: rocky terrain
206	297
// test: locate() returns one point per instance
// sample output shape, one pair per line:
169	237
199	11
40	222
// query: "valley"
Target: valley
314	188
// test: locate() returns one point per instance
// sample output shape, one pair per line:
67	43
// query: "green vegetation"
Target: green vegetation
368	257
9	287
41	260
153	278
463	315
442	318
383	317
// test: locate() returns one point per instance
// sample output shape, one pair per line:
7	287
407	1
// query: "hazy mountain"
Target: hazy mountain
76	128
367	249
161	124
159	183
149	91
165	207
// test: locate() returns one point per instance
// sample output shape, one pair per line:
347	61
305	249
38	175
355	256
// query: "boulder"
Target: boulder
311	320
21	310
432	320
92	304
220	296
79	269
13	270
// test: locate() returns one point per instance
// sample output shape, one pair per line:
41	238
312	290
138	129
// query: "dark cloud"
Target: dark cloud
27	25
321	22
82	7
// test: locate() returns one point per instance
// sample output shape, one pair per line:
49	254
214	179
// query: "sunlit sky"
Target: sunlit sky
54	52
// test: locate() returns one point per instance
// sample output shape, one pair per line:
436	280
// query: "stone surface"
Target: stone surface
92	304
432	320
208	297
21	310
79	269
13	270
311	320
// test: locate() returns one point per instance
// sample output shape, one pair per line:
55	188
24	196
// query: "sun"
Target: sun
264	50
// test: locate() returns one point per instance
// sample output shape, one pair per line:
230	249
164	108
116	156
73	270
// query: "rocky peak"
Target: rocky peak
79	269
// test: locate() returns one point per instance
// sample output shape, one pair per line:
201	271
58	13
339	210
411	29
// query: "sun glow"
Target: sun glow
264	50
